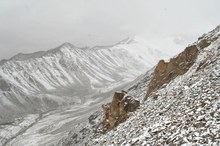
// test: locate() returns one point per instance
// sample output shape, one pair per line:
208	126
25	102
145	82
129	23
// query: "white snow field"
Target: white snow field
60	79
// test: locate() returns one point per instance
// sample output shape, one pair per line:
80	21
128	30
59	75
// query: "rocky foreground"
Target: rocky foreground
181	106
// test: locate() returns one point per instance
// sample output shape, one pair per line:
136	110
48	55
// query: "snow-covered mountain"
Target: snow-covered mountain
182	111
40	81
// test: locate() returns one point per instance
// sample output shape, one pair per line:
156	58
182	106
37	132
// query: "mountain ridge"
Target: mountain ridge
183	111
47	79
65	44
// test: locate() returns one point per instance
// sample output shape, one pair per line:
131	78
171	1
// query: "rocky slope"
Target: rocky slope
183	110
41	81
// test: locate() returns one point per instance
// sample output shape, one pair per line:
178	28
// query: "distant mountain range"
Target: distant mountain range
40	81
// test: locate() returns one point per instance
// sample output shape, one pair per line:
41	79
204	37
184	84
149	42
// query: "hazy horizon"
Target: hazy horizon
34	25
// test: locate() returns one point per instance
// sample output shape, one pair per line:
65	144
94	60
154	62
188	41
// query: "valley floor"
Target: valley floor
49	128
55	125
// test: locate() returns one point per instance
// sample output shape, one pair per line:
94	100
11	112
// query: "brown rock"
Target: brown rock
167	71
129	104
116	112
203	43
114	109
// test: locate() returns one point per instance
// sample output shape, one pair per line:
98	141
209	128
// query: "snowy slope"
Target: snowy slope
184	112
67	74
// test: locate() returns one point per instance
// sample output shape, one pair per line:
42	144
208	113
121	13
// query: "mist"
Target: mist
32	25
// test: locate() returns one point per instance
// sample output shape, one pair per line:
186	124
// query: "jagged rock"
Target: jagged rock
116	111
129	104
167	71
117	98
203	43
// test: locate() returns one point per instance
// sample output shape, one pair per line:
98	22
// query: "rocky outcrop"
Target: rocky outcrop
185	112
117	111
203	43
167	71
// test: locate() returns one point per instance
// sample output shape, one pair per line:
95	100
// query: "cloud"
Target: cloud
32	25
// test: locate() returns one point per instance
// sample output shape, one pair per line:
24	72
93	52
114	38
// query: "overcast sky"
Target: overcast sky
33	25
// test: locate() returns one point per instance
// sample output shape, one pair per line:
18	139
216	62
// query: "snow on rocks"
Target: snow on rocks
117	111
185	111
45	80
10	130
193	113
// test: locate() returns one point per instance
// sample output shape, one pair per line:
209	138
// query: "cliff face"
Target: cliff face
167	71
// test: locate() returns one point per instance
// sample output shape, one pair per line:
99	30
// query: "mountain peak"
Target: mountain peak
217	28
67	44
24	56
127	40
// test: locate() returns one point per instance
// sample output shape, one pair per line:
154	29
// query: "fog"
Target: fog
32	25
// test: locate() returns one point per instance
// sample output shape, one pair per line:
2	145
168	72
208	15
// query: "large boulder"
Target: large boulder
167	71
117	111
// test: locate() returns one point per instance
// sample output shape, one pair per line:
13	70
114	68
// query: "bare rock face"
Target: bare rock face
167	71
129	104
4	86
203	43
116	112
